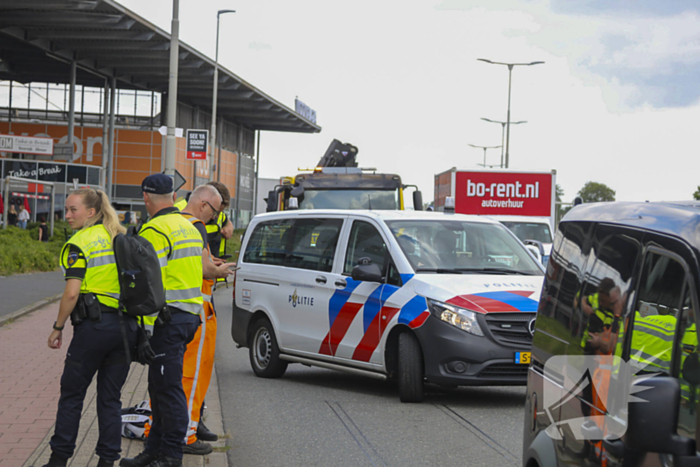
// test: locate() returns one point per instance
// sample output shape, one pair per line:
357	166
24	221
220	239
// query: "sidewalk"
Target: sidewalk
29	391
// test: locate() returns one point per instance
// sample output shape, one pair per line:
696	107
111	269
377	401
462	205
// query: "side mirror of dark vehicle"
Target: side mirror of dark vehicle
651	425
417	200
366	271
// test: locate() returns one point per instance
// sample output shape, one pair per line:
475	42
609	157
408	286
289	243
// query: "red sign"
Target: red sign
504	193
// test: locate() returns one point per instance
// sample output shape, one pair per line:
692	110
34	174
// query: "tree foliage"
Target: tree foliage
696	195
594	192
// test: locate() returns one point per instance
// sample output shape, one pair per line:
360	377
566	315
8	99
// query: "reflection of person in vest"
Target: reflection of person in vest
603	309
652	340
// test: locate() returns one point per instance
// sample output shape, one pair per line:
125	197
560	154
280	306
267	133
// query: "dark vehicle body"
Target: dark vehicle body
648	253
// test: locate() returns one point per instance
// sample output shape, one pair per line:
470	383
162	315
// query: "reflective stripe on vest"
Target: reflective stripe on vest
652	340
101	276
173	238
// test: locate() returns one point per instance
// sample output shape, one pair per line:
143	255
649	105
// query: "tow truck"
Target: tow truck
338	183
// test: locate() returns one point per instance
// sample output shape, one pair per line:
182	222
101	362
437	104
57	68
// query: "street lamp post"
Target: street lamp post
503	131
510	76
484	148
212	137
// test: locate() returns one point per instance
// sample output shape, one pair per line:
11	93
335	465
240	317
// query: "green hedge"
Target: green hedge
21	251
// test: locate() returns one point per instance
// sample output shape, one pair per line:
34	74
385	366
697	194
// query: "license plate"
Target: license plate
522	358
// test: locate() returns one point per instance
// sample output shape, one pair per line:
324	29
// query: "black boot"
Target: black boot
55	461
105	463
199	448
205	434
142	460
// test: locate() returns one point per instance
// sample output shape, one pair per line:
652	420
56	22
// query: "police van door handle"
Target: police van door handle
320	279
341	283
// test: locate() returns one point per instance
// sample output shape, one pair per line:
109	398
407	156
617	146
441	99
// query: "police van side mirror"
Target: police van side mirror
366	271
651	425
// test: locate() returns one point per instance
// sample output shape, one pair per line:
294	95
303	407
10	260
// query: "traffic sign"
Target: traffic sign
178	180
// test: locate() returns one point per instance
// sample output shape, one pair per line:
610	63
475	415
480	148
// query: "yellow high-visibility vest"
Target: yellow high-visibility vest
179	247
652	341
101	276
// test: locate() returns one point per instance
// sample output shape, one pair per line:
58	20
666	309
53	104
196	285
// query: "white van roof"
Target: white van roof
384	215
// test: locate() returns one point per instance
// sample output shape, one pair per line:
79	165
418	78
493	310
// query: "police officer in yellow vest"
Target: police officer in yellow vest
91	299
220	228
179	248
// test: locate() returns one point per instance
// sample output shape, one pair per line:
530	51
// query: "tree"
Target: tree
696	195
561	210
593	192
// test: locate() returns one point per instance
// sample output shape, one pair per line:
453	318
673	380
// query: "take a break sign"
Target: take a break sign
197	144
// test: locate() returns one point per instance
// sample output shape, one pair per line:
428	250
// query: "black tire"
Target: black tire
264	352
410	368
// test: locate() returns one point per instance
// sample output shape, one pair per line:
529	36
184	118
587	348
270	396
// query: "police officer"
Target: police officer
91	299
179	247
220	228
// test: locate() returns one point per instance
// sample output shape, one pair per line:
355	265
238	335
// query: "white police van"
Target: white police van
419	296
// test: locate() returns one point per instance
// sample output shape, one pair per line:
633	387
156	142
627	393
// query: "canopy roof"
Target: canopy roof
39	39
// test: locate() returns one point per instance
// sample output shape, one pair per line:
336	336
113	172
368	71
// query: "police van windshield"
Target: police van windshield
530	231
456	247
351	199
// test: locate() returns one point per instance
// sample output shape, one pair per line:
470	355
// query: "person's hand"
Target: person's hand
223	270
217	261
55	339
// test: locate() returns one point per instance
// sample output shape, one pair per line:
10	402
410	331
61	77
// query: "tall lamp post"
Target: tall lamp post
503	131
212	137
484	148
510	77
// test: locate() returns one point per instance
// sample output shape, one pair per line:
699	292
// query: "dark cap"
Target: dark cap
157	184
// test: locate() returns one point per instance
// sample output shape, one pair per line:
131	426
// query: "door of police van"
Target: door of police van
360	310
307	283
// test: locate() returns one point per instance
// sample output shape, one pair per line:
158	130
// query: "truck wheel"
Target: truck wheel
263	351
410	368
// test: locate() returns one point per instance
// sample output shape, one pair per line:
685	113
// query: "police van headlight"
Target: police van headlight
456	316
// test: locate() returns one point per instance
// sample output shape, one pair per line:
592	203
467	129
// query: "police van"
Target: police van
422	297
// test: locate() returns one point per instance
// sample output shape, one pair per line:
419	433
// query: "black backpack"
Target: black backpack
140	277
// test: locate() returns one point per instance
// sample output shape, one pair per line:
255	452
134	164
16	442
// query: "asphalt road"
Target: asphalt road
21	290
318	417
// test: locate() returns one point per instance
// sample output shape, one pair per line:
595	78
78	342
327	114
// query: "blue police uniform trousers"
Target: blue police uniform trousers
168	401
96	347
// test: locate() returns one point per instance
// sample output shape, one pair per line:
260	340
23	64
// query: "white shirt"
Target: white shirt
23	215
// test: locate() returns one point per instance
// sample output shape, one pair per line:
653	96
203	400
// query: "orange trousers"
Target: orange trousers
197	367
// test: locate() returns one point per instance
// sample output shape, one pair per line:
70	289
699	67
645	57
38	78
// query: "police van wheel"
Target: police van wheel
263	351
410	368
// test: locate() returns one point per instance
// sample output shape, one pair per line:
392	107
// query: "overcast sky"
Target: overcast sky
615	102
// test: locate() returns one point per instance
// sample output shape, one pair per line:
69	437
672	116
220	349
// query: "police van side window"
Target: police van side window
268	243
656	313
364	242
313	244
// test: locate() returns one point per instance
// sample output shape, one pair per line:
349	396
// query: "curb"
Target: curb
29	308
